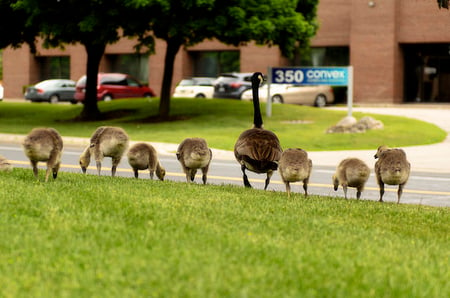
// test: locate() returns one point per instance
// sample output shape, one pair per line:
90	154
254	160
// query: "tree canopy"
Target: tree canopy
285	23
288	24
92	23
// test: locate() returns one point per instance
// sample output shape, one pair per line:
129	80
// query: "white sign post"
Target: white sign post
333	76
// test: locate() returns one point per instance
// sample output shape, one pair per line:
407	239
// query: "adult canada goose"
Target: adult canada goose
257	150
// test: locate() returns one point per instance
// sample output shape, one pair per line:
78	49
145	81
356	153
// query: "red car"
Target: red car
114	85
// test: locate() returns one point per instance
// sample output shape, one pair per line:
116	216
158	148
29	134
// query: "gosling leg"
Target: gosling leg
35	169
344	187
99	167
205	172
288	189
136	173
381	191
305	186
399	192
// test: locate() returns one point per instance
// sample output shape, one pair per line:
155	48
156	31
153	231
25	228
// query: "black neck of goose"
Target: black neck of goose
257	119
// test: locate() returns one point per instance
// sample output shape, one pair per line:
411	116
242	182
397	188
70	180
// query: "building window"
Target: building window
133	64
212	63
326	56
426	72
54	67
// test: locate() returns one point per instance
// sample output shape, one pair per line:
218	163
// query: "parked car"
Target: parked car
113	86
319	95
232	85
197	87
53	91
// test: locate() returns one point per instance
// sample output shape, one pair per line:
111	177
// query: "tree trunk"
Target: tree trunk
171	51
90	107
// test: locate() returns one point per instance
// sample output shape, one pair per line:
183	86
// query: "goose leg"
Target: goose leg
269	175
246	182
136	173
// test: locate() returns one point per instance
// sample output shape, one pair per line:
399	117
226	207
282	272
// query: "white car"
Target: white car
319	95
197	87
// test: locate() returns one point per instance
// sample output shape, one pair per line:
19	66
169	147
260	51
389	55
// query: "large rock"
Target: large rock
350	125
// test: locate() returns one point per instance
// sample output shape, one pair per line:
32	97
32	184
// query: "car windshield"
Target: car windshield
46	84
186	83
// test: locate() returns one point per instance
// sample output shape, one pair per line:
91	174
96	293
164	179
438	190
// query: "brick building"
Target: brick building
400	51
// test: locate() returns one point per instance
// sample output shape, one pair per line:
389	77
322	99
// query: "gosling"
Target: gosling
294	165
44	144
351	172
193	154
107	141
142	156
391	168
5	165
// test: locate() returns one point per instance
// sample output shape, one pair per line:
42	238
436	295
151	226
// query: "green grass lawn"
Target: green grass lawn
90	236
220	122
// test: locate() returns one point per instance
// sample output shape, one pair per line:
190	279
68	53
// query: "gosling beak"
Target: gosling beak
83	169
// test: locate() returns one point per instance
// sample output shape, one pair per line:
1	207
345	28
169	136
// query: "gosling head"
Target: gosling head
85	159
380	150
335	182
161	174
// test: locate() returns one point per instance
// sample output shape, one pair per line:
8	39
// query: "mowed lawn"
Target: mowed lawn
90	236
220	122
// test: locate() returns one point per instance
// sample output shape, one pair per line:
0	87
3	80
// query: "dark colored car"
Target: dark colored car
232	85
113	86
53	91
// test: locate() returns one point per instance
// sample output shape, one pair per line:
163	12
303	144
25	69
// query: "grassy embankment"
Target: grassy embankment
85	236
220	122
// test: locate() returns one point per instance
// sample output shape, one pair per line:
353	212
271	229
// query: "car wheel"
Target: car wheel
53	99
74	102
277	98
107	97
200	95
147	95
321	101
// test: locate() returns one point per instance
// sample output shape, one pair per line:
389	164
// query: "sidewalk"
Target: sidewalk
427	158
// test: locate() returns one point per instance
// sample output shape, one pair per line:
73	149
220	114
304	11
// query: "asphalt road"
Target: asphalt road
422	188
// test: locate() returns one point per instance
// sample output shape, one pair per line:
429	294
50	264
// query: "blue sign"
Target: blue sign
334	76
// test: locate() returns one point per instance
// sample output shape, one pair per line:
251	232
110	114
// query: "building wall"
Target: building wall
374	34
